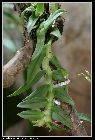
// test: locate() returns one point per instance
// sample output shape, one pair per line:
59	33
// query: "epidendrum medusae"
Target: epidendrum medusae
44	104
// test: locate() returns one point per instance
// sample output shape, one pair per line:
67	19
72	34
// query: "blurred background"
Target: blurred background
74	52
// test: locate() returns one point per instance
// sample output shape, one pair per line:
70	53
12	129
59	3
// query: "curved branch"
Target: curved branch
20	61
77	127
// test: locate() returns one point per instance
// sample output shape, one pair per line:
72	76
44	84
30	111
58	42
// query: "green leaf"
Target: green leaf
83	116
41	33
52	17
41	91
19	91
61	93
53	7
8	43
31	115
56	127
37	59
59	115
32	21
40	44
34	66
55	62
39	9
26	86
28	9
34	103
37	52
38	76
59	74
56	33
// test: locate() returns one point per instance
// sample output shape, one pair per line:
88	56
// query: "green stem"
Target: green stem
48	80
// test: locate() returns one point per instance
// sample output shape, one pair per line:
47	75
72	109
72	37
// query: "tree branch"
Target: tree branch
77	127
20	61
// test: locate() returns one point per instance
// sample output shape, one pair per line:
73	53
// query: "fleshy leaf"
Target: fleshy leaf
37	51
61	93
19	91
40	45
41	91
34	66
26	86
32	21
59	115
56	33
83	116
52	17
34	103
41	32
31	114
59	74
53	7
55	126
28	9
39	9
38	76
55	62
37	58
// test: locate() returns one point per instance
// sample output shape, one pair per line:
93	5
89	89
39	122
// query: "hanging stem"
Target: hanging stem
48	80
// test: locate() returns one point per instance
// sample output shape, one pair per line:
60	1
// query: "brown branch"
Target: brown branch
20	61
77	127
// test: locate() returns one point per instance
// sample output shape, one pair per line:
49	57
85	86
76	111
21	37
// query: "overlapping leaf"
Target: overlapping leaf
55	62
53	7
41	91
59	115
28	9
56	127
31	114
61	93
34	103
34	66
59	74
83	116
39	9
41	32
32	21
26	86
39	47
52	17
56	33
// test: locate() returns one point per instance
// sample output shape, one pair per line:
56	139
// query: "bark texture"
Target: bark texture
21	60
